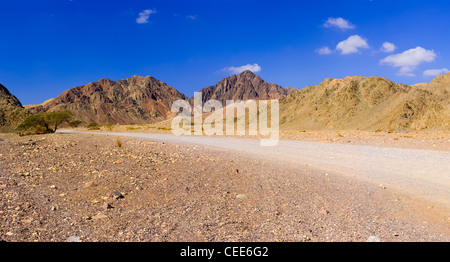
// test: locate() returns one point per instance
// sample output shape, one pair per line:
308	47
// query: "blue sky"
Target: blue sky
48	46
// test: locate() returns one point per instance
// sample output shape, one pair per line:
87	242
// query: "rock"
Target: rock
241	196
99	216
107	206
73	239
373	239
323	212
115	195
53	187
89	184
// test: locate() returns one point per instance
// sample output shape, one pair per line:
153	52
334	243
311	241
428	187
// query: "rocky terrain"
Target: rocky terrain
244	86
63	187
11	110
133	100
368	103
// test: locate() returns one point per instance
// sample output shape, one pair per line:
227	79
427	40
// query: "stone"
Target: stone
89	184
323	212
115	195
73	239
107	206
241	196
99	216
373	239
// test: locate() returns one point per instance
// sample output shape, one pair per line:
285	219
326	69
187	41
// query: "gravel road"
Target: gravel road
124	187
423	174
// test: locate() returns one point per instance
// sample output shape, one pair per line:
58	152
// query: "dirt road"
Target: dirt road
423	174
146	187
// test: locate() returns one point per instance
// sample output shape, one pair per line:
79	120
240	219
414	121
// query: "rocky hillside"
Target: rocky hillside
11	110
244	86
368	103
132	100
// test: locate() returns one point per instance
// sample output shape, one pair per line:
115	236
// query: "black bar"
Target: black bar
224	250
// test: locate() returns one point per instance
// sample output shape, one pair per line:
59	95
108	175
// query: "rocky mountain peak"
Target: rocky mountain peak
132	100
441	80
244	86
11	110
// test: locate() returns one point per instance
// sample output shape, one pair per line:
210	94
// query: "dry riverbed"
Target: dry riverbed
87	187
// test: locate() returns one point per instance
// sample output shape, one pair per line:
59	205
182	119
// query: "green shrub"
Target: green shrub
75	123
110	126
41	123
93	126
40	130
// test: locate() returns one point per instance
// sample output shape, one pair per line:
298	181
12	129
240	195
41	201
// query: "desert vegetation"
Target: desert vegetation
43	123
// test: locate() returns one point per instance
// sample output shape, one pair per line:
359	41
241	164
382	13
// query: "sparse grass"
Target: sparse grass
164	128
118	142
110	126
93	126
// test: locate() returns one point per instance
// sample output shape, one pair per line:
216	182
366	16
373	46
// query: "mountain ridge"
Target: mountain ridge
244	86
11	110
131	100
368	103
353	102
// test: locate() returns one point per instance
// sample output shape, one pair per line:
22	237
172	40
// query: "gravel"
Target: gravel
150	190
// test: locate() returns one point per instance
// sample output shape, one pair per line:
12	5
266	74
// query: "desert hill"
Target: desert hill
244	86
11	110
132	100
368	103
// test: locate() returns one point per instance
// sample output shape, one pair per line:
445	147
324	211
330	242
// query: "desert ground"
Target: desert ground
95	187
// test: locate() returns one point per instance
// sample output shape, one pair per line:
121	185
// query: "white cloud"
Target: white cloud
144	15
352	45
237	70
388	47
339	23
192	17
435	72
324	51
409	60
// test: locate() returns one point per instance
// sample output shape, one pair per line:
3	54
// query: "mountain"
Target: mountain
12	113
132	100
290	90
244	86
368	103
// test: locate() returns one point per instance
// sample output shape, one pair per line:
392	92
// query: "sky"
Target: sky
48	46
